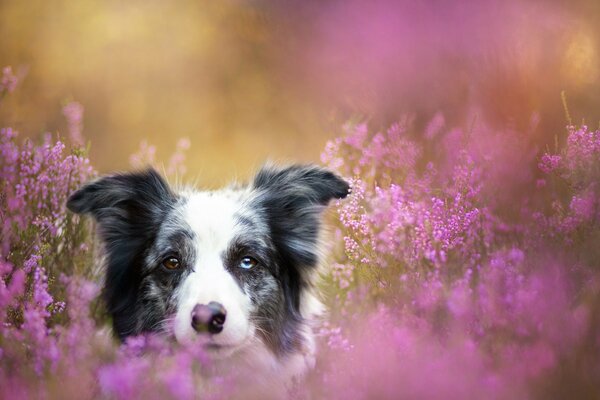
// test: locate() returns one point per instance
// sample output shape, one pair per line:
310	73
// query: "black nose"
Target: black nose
208	318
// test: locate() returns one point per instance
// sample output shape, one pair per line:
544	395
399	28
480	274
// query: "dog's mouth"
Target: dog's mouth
216	349
219	351
211	346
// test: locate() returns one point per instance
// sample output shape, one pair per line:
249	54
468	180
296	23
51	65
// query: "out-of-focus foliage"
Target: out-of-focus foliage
444	289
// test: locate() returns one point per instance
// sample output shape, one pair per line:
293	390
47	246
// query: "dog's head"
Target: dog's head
223	267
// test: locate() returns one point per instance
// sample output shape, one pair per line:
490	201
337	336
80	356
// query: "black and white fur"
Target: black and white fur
276	220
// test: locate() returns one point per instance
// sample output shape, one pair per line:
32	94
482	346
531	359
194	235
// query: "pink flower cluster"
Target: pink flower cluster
73	112
39	241
576	212
146	156
445	289
8	81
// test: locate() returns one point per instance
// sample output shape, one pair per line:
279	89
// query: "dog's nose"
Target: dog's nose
208	318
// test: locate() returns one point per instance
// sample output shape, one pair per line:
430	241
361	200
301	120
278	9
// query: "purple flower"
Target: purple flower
8	81
73	112
549	163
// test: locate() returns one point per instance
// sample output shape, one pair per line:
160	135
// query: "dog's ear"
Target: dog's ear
129	209
302	183
292	199
124	198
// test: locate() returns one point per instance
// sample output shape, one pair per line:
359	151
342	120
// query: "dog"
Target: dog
232	270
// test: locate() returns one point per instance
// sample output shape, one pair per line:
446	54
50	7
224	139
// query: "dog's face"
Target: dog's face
221	268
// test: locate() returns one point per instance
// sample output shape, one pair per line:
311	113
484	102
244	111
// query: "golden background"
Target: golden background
248	81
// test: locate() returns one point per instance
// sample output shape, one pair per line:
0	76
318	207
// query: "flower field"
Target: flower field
464	264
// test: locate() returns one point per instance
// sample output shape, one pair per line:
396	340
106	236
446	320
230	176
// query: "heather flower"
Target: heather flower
549	163
146	156
73	112
8	81
330	155
357	135
435	126
176	166
124	380
583	206
470	288
335	337
181	382
342	275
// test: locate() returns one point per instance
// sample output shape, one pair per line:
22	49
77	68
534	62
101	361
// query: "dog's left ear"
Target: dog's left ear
292	200
303	183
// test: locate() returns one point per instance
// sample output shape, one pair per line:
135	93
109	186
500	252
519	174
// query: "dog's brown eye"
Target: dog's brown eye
171	263
248	263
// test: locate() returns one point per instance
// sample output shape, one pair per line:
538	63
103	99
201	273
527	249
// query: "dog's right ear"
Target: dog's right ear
129	209
120	203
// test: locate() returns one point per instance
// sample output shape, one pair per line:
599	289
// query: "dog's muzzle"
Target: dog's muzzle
208	318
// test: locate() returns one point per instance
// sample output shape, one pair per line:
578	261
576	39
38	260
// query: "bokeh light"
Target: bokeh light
258	80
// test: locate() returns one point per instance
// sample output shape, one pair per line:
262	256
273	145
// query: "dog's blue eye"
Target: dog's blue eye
248	263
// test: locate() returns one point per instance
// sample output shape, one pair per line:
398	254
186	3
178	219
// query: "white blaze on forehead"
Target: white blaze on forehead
211	216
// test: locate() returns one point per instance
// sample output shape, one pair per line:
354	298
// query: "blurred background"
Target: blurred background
248	81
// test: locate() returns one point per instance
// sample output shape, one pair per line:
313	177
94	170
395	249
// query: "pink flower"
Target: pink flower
8	81
73	112
549	163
